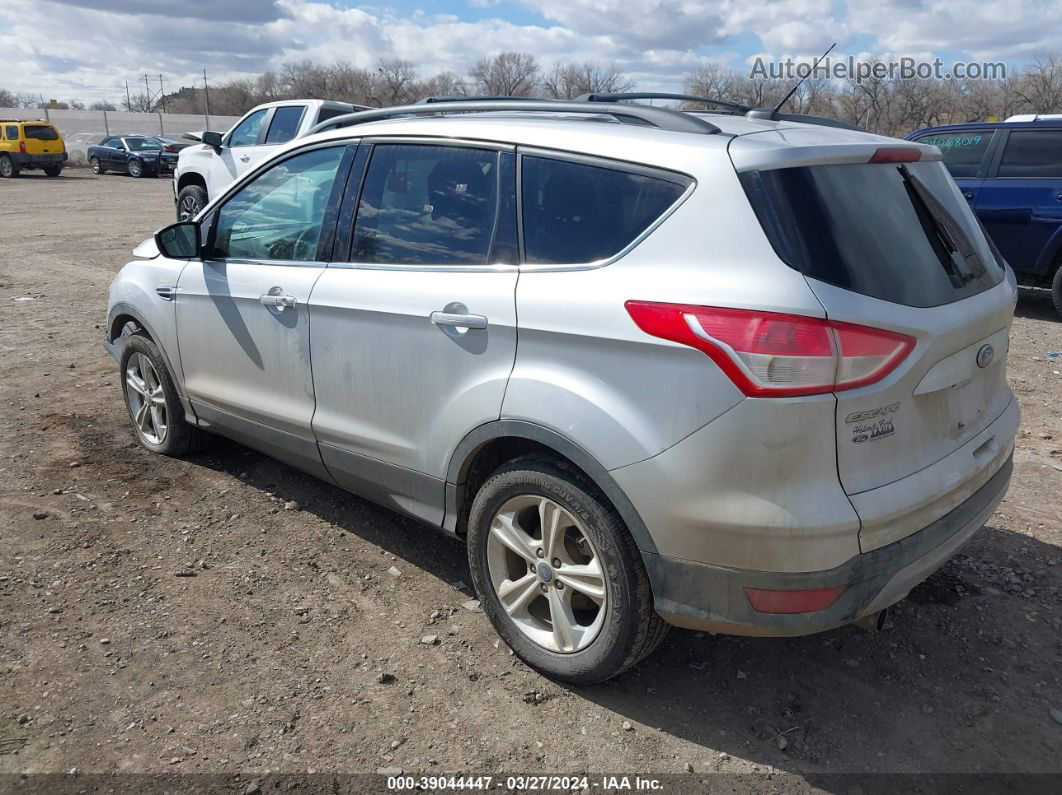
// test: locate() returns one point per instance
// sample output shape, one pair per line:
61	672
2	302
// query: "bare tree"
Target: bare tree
7	99
102	106
445	84
568	81
508	74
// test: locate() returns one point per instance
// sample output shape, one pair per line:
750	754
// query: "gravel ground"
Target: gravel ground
163	615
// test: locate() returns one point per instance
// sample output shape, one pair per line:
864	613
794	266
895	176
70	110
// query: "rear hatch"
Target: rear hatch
893	245
41	139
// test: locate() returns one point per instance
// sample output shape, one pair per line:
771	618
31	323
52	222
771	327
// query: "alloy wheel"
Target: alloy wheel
94	163
547	573
188	209
135	169
147	401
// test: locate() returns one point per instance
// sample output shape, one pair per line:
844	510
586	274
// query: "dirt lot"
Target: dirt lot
270	657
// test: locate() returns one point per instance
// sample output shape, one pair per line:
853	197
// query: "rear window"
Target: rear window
330	113
1032	153
575	213
963	151
901	233
12	132
40	132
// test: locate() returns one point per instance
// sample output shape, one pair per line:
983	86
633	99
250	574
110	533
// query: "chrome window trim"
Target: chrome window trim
437	140
281	263
677	177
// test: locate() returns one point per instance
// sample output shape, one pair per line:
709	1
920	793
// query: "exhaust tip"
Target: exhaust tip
875	622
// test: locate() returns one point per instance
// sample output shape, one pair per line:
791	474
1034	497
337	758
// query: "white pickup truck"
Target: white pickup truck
203	171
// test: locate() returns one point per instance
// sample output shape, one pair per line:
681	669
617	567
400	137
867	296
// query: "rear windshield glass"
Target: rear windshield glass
41	132
136	144
901	233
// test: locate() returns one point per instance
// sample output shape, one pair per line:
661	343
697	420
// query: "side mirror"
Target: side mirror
179	241
212	139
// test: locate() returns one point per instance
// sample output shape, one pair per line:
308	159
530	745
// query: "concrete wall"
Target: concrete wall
81	128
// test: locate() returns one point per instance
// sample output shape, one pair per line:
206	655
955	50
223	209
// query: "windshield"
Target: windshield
901	233
41	132
136	144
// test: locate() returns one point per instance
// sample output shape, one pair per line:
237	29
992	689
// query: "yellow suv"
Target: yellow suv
30	144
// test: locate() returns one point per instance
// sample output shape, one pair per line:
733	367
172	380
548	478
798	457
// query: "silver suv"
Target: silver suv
725	372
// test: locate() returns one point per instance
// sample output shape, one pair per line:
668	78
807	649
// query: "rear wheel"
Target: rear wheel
151	398
135	168
53	171
7	167
190	201
558	574
1056	290
94	164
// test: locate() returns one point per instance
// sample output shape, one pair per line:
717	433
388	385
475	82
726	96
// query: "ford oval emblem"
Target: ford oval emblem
985	355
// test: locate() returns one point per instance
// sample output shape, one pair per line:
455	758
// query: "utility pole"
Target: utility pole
128	101
147	88
206	93
162	94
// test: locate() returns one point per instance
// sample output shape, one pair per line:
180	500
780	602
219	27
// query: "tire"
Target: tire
627	626
8	168
94	164
162	428
136	169
190	201
1056	290
53	171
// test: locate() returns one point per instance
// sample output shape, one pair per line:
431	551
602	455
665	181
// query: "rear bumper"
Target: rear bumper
37	161
702	596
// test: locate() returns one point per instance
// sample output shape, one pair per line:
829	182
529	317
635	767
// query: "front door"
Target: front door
239	152
414	338
243	320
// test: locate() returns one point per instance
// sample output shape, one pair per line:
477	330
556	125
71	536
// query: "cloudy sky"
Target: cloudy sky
86	49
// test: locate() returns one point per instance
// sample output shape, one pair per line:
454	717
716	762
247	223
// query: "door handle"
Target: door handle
1058	197
968	194
277	300
458	320
245	158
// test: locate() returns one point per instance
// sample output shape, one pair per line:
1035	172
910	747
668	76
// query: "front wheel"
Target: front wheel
151	398
1056	290
558	574
135	169
190	201
94	164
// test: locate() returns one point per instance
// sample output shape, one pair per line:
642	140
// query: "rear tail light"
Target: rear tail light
768	354
895	154
171	148
22	147
810	600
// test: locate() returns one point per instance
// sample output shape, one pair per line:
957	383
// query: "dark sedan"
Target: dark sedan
135	155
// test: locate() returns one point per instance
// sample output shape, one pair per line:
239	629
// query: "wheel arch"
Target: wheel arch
494	443
191	178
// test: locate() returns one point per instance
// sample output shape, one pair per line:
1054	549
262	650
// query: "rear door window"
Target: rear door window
40	132
12	132
578	213
285	124
1032	153
964	152
427	205
901	233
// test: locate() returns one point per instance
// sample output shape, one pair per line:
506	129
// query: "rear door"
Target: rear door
414	334
1020	203
894	246
41	139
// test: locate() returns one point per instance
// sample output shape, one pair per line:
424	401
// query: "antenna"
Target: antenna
800	82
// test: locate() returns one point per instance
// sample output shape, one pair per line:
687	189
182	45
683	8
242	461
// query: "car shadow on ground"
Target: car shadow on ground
953	683
1035	303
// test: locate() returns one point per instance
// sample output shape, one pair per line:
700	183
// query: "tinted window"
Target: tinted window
284	125
331	113
900	233
963	151
12	132
427	205
246	133
279	215
136	144
40	132
577	213
1032	153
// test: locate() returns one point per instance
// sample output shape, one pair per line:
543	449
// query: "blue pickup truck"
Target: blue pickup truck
1011	174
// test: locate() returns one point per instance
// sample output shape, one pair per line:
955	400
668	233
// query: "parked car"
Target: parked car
1011	174
30	145
135	155
205	171
760	382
